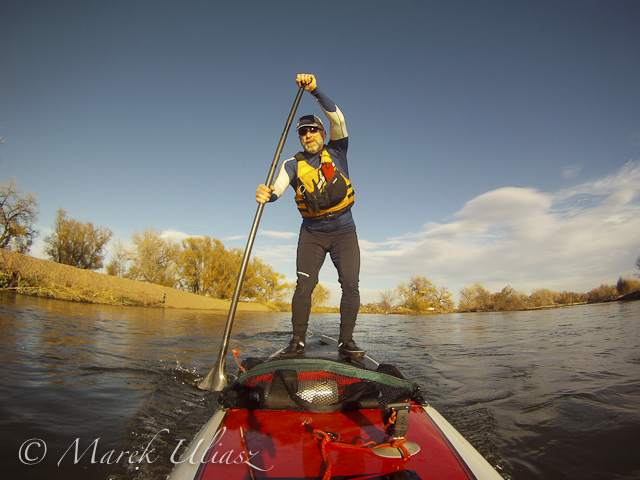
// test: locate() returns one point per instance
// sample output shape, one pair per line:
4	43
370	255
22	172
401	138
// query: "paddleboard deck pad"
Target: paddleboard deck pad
324	416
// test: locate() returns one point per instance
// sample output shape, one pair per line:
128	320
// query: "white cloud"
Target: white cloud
276	254
176	235
275	234
574	239
628	177
234	238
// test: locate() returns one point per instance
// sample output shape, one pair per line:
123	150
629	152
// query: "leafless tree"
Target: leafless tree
18	213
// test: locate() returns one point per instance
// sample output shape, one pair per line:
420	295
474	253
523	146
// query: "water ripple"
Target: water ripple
545	394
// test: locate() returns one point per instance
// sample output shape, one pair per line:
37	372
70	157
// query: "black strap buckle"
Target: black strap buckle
397	418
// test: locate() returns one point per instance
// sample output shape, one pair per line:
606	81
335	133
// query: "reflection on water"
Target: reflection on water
544	394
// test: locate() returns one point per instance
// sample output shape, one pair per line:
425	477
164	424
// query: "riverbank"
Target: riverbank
42	278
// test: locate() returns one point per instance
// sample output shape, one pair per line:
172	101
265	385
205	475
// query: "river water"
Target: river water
551	394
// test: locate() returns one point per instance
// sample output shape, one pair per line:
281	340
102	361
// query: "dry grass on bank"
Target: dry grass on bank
42	278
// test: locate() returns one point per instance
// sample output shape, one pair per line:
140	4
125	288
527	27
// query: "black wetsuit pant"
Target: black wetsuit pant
345	253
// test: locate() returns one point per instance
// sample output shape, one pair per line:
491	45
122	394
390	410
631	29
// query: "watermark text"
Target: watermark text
34	451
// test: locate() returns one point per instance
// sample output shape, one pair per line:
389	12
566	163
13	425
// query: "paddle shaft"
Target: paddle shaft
216	379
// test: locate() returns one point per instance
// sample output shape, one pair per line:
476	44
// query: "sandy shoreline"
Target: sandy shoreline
33	276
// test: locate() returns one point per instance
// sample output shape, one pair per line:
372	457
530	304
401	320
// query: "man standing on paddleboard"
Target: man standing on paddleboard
320	177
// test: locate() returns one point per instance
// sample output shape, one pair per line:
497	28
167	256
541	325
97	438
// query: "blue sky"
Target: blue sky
494	142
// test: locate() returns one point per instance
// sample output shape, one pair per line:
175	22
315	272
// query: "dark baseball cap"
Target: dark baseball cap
309	121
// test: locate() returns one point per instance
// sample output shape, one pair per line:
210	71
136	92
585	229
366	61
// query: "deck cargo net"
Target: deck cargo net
316	385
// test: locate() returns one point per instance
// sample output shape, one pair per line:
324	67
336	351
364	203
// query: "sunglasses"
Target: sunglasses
303	130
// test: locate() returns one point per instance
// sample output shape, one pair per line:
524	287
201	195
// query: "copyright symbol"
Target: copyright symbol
31	456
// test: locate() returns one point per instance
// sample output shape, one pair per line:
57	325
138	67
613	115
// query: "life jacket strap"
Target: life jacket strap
332	215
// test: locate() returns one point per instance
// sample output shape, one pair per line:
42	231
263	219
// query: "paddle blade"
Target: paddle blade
216	379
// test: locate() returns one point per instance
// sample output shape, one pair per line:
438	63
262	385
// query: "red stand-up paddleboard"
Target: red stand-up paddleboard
321	417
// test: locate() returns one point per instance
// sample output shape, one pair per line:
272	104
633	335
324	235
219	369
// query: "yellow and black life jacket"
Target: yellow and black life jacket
323	193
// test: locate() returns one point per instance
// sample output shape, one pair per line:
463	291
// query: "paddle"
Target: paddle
216	379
